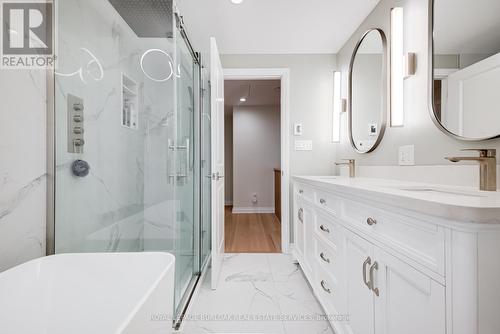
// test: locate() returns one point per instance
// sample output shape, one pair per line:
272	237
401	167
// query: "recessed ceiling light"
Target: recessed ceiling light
243	99
236	2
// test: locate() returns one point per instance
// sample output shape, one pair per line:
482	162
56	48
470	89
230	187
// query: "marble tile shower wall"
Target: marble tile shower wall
106	210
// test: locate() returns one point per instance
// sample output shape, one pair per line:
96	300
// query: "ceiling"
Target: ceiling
257	93
274	26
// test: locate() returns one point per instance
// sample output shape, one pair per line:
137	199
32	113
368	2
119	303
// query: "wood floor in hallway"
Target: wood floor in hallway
252	233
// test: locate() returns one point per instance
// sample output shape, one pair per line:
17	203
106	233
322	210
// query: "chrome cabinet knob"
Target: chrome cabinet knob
371	221
324	229
323	285
301	191
300	215
324	258
322	201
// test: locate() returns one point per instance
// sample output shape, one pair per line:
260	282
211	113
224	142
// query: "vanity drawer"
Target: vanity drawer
327	201
421	241
328	290
326	227
328	257
304	191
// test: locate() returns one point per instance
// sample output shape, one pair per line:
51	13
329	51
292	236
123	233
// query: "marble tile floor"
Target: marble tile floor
257	293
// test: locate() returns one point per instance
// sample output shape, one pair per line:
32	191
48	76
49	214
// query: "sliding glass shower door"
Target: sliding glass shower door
186	179
127	112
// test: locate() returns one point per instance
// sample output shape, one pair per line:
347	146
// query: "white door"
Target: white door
217	116
360	308
408	302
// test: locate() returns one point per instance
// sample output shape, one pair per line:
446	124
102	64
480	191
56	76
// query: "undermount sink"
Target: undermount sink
442	191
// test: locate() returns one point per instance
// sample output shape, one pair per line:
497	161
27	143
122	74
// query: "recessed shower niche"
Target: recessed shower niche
130	103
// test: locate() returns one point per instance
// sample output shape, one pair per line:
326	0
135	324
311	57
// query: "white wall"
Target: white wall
431	145
228	157
311	95
256	152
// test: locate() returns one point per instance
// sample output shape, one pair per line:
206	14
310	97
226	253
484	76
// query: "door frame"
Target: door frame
282	74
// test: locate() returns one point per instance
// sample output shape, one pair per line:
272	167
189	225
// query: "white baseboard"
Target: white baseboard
253	210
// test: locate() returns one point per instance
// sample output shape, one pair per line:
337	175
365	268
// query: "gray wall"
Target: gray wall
431	145
256	153
311	95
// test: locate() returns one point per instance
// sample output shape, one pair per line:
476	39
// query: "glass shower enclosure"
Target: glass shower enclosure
131	135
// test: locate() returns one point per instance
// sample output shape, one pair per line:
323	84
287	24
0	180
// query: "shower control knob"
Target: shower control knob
79	142
78	106
78	118
80	168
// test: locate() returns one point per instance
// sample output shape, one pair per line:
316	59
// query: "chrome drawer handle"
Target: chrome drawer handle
371	221
301	215
367	262
324	258
374	289
324	229
301	191
323	285
322	201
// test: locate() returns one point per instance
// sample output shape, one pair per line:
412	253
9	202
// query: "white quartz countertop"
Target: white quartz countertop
462	204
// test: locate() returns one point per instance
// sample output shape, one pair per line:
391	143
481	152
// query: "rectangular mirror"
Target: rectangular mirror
465	58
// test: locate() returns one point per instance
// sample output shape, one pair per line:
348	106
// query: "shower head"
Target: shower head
147	18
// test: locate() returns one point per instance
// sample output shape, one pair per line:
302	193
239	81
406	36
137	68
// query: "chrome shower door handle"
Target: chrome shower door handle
367	262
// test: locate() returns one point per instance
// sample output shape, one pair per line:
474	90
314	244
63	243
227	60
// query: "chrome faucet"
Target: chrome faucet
352	166
487	167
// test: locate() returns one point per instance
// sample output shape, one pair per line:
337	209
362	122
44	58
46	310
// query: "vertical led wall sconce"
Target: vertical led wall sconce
337	106
397	67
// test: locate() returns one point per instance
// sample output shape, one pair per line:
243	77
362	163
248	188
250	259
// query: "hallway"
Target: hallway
252	233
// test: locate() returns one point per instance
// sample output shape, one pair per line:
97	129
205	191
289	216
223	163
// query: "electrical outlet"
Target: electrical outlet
406	155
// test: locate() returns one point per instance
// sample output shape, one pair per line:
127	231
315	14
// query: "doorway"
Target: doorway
266	216
252	146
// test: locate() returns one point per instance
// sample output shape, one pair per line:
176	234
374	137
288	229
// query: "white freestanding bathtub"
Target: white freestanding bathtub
101	293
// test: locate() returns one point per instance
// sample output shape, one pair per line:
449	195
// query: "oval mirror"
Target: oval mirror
368	91
465	72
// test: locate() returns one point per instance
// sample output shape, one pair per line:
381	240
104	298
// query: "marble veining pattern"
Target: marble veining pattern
257	293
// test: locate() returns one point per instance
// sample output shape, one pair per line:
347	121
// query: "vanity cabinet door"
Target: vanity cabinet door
299	228
360	303
408	301
303	225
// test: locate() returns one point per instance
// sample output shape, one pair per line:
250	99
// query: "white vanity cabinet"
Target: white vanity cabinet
392	268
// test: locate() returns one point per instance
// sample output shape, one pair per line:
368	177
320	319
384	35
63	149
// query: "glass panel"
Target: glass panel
187	264
127	133
206	169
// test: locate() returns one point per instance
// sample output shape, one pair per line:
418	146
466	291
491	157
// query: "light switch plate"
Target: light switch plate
297	129
406	156
303	145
